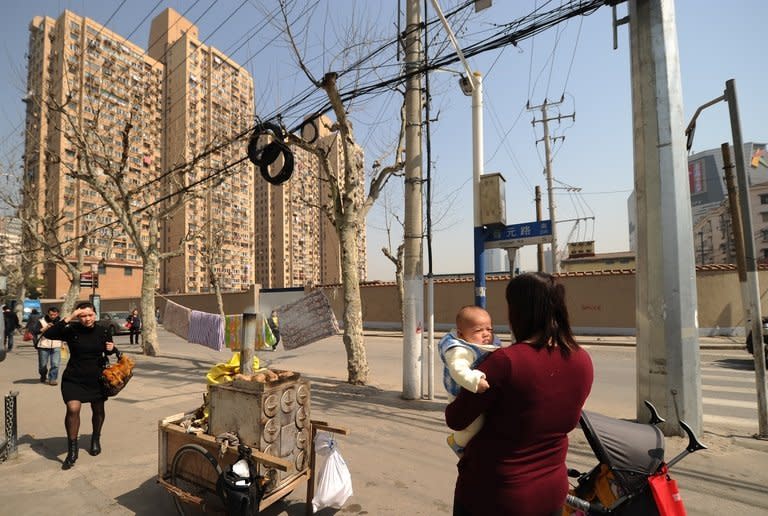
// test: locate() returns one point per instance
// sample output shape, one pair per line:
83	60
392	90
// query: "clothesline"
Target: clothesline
302	322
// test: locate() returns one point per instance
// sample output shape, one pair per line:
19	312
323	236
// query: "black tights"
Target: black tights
72	419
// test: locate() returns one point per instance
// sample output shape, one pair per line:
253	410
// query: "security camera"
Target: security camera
466	86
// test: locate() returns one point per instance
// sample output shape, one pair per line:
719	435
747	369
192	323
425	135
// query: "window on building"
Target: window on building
127	271
763	198
764	217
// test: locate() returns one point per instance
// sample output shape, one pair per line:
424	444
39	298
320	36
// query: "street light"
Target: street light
472	84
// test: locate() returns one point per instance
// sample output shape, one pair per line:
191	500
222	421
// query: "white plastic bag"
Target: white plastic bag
334	483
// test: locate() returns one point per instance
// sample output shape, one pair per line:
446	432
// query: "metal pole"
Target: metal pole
476	82
477	172
550	191
753	283
413	301
11	425
539	247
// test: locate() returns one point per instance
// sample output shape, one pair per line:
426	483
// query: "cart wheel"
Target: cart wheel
192	469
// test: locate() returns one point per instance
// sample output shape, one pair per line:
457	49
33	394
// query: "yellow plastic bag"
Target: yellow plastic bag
225	372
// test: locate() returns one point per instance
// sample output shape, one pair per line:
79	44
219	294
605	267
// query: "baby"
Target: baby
461	351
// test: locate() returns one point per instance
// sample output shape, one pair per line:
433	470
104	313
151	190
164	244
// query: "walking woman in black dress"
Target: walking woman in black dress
80	382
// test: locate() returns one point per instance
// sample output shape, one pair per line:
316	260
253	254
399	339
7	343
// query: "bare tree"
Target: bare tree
346	209
347	204
397	256
210	250
41	243
136	210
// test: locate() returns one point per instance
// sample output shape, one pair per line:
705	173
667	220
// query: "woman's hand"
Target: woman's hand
75	315
110	346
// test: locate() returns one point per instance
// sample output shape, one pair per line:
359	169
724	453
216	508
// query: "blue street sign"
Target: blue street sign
518	235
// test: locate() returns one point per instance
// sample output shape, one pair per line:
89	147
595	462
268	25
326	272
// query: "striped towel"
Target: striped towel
206	329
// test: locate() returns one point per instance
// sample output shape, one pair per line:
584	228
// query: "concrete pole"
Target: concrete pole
550	190
539	247
668	367
753	284
413	273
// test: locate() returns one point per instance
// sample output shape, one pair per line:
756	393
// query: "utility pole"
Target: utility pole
539	247
668	361
753	284
736	224
413	273
548	169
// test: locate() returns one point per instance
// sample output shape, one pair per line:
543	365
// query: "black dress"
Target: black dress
87	347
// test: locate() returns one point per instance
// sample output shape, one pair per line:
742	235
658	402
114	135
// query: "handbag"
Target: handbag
28	336
128	325
114	377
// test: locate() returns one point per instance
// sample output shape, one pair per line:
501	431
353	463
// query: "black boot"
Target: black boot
71	454
95	445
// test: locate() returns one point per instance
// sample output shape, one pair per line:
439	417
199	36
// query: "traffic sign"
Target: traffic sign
518	235
89	279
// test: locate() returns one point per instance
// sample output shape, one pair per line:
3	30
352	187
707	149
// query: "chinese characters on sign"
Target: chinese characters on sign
518	235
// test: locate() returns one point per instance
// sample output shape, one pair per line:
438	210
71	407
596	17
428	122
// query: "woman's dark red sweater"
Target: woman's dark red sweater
516	463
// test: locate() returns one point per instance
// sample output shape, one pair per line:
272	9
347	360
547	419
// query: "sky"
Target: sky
574	62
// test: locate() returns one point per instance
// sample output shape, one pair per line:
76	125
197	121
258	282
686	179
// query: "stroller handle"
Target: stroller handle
693	445
583	505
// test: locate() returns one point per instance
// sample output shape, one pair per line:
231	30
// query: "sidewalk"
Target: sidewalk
705	343
396	451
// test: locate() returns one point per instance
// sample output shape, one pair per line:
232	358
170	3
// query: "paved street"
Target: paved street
396	451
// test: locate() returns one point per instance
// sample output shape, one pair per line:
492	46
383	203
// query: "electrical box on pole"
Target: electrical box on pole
493	207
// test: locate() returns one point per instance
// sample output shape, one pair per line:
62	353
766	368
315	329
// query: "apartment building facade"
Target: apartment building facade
84	85
295	243
208	101
187	104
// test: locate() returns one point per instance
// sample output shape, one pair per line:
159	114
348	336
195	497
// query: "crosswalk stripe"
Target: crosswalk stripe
729	403
736	379
734	372
729	420
732	390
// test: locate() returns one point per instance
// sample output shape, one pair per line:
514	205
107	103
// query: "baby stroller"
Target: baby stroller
631	478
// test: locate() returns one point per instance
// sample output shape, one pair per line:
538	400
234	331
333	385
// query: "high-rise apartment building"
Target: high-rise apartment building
186	103
10	243
208	101
295	243
84	84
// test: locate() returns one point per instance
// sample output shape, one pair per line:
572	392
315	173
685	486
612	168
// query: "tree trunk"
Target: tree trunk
73	293
149	341
219	301
357	363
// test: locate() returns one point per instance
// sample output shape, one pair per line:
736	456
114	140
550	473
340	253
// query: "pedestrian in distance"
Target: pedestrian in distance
11	321
48	350
88	344
133	321
34	326
274	326
538	386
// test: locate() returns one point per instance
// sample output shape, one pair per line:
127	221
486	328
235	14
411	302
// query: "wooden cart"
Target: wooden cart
192	480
